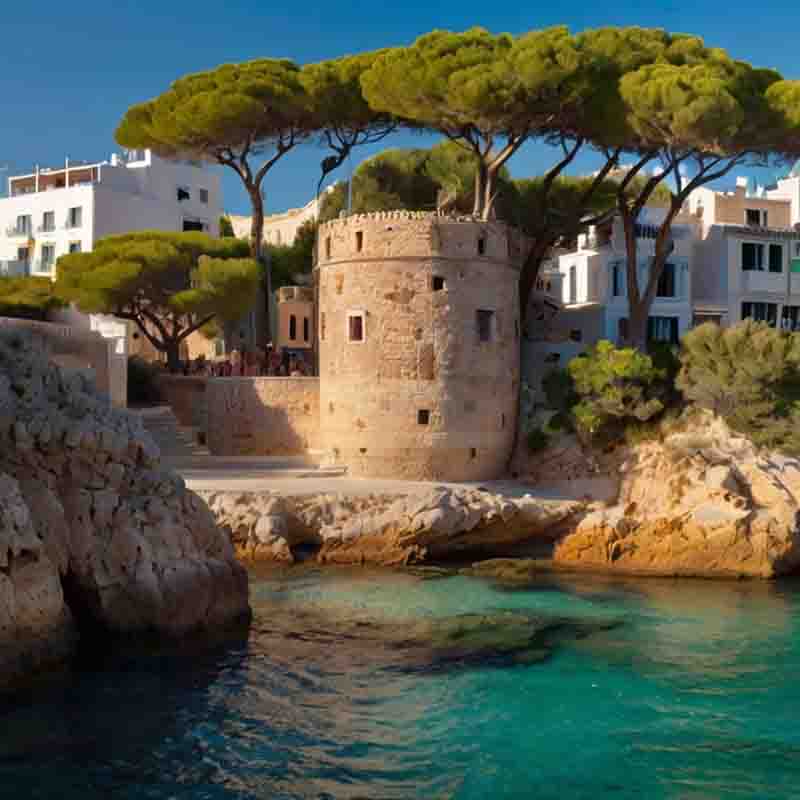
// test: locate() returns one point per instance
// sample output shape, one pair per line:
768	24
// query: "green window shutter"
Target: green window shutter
795	265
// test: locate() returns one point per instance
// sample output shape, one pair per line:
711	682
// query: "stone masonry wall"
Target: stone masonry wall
262	416
420	397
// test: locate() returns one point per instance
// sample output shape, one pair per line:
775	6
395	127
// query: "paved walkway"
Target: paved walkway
298	475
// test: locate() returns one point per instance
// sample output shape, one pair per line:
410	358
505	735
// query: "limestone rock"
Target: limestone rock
84	503
703	502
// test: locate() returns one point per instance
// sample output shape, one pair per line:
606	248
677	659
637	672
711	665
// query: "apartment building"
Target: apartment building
52	211
747	255
594	292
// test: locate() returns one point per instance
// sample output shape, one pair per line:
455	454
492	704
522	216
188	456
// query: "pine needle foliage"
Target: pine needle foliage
749	374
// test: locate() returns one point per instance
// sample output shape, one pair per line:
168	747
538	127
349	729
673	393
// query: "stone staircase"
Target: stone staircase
173	440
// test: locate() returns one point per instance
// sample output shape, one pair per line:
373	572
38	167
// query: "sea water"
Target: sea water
378	685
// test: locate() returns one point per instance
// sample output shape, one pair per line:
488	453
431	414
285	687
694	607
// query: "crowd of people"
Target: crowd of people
261	362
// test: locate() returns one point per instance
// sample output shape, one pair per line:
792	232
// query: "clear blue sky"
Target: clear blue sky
68	71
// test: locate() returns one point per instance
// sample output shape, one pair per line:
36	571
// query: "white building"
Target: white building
748	255
50	212
594	286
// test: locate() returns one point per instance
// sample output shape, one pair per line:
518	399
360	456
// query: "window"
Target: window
306	329
75	217
74	247
203	196
775	258
616	280
752	257
327	247
662	329
322	326
756	217
23	225
790	318
183	193
48	255
423	416
355	327
219	346
576	335
622	329
359	241
23	254
438	283
484	323
797	249
292	327
573	284
481	245
473	453
49	221
761	312
666	283
193	225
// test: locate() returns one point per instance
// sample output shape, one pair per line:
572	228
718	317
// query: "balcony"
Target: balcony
46	228
13	232
71	226
42	267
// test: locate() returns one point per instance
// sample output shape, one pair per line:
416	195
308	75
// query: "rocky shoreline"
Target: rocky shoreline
699	502
96	539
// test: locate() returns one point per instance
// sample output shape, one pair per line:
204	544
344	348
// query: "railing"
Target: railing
42	267
43	228
14	231
71	226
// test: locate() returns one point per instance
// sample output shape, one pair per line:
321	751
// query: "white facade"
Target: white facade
50	212
594	277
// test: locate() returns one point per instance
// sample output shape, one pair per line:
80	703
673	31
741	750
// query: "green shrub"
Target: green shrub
537	440
142	382
559	391
749	374
615	387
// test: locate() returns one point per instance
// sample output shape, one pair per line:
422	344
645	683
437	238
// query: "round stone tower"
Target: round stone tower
418	345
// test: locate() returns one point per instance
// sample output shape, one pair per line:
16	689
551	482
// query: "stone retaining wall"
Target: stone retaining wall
262	416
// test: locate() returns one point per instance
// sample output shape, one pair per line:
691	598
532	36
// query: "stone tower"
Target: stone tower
418	345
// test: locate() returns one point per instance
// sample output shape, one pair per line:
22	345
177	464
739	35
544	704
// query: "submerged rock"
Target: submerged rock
93	532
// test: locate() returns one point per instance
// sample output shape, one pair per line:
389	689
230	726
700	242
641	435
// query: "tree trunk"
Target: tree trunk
530	272
490	184
480	190
261	255
172	348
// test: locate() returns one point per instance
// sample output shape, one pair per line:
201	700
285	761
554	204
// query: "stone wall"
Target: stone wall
419	395
262	416
78	348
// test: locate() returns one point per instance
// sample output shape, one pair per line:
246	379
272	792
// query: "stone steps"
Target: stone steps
173	440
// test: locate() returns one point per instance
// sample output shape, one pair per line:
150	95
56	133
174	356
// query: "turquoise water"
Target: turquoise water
374	685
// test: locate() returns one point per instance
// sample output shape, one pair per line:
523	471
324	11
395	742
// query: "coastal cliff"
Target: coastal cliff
94	535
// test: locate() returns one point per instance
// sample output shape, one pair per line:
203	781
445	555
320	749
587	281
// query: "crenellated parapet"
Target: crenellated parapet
417	234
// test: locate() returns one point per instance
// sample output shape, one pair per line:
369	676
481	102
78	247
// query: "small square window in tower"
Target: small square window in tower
484	320
355	327
327	247
481	245
306	329
292	327
359	241
423	416
438	283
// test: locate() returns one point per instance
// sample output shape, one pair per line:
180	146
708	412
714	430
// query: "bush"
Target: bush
615	387
537	440
143	382
559	391
749	374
